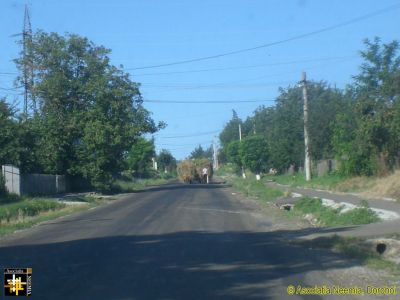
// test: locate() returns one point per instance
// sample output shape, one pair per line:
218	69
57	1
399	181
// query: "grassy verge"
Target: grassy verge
7	228
331	182
378	187
20	210
254	188
371	186
354	248
26	212
321	215
326	216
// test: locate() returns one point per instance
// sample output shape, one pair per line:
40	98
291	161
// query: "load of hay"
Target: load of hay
186	171
192	170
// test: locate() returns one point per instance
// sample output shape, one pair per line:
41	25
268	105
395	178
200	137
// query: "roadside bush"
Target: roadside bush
169	175
27	208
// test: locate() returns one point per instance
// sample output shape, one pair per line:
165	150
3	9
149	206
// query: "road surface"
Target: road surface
174	242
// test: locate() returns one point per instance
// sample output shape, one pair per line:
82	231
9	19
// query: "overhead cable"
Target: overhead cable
245	67
207	102
297	37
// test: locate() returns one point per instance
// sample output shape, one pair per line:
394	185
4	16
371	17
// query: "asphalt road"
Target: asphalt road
171	242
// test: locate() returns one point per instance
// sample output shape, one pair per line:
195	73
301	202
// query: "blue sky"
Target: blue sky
147	33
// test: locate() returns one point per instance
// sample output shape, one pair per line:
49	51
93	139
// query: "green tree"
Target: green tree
88	112
233	154
139	158
372	145
254	153
231	130
282	125
166	161
8	138
285	137
199	152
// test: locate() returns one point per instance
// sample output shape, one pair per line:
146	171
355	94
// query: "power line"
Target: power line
228	83
183	145
297	37
207	102
218	85
186	136
11	89
8	73
245	67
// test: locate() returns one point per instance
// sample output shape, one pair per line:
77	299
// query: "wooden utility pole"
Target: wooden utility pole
215	154
307	160
240	139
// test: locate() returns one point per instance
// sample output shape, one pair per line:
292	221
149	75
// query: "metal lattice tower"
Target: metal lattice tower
27	64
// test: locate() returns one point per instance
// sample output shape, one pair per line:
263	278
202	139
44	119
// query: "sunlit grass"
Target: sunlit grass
327	216
254	188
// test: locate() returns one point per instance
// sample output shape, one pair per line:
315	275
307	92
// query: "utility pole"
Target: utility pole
215	160
307	160
240	139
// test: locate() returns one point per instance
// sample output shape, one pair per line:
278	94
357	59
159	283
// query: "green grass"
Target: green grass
330	217
25	212
256	189
28	222
334	182
225	170
353	247
330	181
8	198
27	208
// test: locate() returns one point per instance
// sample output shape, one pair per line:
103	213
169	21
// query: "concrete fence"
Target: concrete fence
319	168
42	184
32	184
11	179
326	166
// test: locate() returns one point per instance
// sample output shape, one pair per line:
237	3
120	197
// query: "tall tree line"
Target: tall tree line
358	125
88	113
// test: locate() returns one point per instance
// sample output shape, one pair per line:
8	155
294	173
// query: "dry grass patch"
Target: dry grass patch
356	184
373	187
387	187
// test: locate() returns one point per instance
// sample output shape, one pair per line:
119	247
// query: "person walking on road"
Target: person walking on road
205	175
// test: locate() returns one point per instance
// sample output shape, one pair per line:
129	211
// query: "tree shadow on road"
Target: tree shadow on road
179	265
182	186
